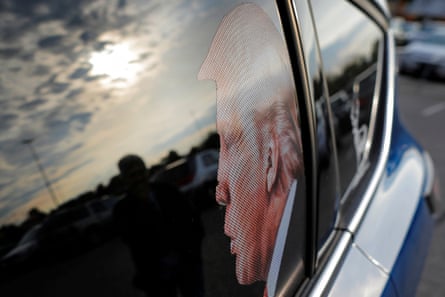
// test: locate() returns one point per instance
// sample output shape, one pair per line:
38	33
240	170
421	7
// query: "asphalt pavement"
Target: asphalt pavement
422	109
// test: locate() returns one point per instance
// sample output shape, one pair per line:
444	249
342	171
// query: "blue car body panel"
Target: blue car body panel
389	244
407	270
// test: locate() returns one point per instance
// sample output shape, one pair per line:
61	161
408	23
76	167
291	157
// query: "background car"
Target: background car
424	57
404	31
68	230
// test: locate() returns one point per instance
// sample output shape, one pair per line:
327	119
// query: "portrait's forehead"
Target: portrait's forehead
248	61
244	36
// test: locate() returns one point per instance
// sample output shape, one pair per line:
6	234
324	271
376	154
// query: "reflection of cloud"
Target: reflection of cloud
51	41
67	172
7	121
52	86
32	104
8	53
335	35
4	166
80	120
74	93
79	73
17	210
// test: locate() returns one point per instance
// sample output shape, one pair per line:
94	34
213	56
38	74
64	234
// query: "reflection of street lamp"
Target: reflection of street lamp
41	169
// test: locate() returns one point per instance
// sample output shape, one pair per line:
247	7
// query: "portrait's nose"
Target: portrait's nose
222	189
222	193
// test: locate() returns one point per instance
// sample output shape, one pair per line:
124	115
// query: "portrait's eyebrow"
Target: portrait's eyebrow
230	131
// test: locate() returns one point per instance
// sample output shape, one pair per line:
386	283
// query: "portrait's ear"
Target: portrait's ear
272	164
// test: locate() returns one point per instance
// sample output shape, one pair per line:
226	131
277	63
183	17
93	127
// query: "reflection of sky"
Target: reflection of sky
338	25
93	80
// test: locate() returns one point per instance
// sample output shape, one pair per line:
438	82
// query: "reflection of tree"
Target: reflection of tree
11	234
35	216
352	69
171	157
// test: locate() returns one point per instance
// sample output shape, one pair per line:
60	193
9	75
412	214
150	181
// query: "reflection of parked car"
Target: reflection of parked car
194	175
89	222
25	248
63	233
403	30
424	57
191	173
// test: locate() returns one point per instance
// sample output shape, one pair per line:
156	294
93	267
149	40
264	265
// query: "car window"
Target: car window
350	52
322	165
102	97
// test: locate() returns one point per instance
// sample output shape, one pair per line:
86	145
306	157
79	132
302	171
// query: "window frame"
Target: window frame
322	264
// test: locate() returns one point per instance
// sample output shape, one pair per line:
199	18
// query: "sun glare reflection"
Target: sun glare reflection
118	62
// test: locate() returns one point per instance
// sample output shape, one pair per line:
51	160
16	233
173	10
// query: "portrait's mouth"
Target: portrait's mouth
233	246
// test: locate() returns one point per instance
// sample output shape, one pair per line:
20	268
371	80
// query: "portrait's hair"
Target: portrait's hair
249	61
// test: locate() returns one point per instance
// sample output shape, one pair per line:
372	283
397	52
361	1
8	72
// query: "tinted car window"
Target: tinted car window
350	50
326	193
91	86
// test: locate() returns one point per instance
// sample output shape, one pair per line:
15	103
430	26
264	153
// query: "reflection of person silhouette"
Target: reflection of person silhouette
261	153
163	236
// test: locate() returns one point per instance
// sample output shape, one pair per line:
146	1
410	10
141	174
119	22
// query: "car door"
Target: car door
357	68
297	97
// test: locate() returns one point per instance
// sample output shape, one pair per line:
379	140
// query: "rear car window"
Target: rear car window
351	53
90	82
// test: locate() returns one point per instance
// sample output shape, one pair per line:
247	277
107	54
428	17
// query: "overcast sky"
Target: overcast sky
90	81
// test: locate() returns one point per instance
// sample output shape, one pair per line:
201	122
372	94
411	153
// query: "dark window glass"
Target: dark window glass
350	44
98	207
327	180
116	98
325	204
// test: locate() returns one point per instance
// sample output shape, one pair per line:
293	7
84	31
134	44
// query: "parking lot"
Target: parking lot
422	108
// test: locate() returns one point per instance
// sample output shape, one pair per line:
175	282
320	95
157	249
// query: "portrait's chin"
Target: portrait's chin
245	275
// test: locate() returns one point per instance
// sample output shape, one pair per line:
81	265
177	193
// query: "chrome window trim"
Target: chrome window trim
327	275
375	104
383	6
386	142
374	10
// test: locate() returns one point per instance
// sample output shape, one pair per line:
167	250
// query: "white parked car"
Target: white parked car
195	175
424	57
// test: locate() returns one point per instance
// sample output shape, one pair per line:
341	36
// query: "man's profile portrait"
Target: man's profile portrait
261	152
